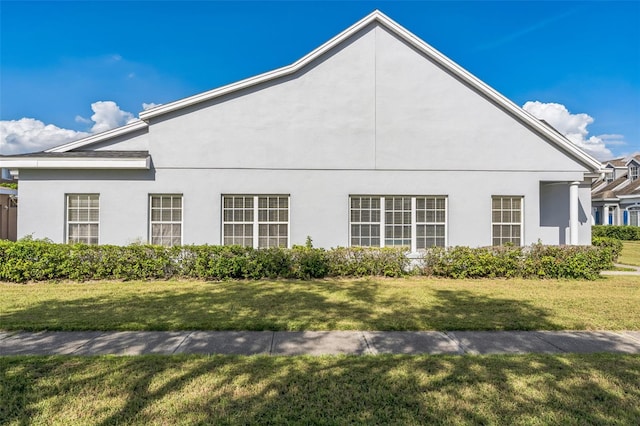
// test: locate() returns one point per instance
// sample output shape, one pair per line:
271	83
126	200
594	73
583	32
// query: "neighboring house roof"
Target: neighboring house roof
539	127
608	191
621	187
622	162
633	188
617	162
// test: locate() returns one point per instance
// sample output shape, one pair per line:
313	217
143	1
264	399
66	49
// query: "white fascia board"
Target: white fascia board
77	163
551	135
127	128
626	197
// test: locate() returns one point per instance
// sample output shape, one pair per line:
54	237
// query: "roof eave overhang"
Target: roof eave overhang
606	200
124	163
596	173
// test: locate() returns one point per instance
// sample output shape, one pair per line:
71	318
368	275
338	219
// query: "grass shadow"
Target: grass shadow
315	305
366	304
567	389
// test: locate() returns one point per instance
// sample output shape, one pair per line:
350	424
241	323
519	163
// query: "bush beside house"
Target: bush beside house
619	232
40	260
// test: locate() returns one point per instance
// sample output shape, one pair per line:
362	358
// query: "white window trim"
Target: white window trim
256	223
151	222
68	222
414	225
511	223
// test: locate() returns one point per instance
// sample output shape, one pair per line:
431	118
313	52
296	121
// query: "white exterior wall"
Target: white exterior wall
375	117
319	201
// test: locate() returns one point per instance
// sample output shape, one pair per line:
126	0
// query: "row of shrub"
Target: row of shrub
614	244
619	232
38	260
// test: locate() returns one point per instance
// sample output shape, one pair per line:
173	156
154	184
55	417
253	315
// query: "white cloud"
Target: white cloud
80	119
108	115
574	127
31	135
146	106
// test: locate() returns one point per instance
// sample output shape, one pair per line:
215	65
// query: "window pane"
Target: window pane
273	215
82	218
166	219
507	220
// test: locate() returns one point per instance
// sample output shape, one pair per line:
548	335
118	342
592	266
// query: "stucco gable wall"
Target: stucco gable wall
420	108
134	141
321	117
373	103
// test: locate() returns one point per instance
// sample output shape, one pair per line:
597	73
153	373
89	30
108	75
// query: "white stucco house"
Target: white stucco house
616	197
373	139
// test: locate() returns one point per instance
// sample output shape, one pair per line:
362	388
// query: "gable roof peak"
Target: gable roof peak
542	129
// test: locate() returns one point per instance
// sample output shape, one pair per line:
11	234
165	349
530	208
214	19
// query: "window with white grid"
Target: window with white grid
397	221
365	221
255	220
402	221
431	218
166	219
237	217
83	218
506	220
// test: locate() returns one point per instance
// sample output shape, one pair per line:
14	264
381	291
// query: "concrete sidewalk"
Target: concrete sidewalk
634	270
317	342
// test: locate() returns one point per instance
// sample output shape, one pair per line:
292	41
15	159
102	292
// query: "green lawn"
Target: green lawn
514	390
630	253
611	303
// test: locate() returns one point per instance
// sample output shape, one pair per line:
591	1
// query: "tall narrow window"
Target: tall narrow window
431	214
166	219
255	220
365	221
273	221
83	218
506	220
633	172
403	221
238	217
397	221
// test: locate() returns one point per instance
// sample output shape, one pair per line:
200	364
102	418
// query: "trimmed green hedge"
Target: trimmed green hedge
40	260
619	232
612	243
535	261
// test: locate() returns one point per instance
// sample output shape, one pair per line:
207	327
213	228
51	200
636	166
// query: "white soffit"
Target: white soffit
76	163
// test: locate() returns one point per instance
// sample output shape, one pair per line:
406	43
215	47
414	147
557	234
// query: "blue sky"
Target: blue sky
59	58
